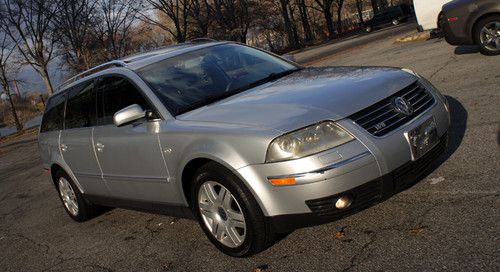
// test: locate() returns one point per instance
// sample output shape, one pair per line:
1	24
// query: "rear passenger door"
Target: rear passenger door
76	138
130	155
51	126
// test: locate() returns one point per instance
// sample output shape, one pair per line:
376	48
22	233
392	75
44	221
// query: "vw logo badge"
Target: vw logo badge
402	106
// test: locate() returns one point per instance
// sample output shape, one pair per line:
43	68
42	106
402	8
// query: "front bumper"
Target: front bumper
336	171
324	210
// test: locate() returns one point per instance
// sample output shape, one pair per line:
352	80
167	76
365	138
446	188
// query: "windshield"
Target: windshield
197	78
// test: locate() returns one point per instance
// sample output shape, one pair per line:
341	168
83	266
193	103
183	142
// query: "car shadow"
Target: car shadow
458	126
466	49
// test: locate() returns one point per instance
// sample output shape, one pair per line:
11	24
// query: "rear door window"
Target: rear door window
115	93
80	108
53	118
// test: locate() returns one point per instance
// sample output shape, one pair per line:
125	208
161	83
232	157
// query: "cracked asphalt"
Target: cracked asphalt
447	221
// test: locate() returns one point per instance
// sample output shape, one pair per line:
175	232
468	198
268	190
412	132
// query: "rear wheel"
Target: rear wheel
228	213
75	205
487	35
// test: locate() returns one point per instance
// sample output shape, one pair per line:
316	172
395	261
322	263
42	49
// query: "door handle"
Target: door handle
64	147
99	147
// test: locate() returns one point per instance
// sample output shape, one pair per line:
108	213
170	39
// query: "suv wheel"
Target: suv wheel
487	35
228	213
75	205
395	22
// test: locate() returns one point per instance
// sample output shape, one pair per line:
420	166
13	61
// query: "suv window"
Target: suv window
80	108
54	114
113	94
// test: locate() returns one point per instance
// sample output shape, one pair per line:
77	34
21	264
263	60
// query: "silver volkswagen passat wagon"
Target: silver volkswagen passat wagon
249	144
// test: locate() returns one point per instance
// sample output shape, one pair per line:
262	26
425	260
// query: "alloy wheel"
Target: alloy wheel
222	214
68	196
490	36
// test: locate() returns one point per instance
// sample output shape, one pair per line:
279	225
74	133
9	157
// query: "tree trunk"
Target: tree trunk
359	7
19	126
305	20
44	74
296	37
287	23
339	16
374	5
329	22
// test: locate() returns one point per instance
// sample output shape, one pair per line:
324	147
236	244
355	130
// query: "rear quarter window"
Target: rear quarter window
53	117
80	108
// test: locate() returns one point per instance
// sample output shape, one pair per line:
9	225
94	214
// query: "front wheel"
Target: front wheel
395	22
228	213
487	35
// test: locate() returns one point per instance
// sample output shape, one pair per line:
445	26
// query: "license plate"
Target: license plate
423	138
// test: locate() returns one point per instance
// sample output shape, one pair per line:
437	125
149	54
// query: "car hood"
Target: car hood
305	97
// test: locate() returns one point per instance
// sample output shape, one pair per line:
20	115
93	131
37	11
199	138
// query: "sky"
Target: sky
33	82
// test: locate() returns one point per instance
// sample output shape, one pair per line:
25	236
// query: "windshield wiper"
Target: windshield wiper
216	97
269	78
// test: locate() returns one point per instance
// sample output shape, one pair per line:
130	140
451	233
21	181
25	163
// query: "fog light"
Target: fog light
343	202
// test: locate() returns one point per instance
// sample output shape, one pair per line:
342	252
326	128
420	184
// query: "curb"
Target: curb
422	36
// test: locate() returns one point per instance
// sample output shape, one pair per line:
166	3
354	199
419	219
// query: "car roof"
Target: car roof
137	61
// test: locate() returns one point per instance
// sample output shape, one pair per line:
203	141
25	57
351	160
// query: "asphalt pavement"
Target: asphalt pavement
446	222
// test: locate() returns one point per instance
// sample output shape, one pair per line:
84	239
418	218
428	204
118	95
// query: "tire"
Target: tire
395	22
480	36
368	29
229	211
69	193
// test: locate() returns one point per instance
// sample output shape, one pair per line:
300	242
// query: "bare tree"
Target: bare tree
201	14
304	16
30	24
76	21
118	17
359	8
326	9
339	4
175	10
288	24
235	17
8	71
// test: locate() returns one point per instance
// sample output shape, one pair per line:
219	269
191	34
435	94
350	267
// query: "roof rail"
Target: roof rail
200	40
98	68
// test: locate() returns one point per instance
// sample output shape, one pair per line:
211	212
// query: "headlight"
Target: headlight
307	141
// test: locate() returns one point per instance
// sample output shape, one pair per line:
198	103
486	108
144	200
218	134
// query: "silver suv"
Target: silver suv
249	144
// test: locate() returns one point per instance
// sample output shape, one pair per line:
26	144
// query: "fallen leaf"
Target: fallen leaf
340	234
261	268
436	180
418	230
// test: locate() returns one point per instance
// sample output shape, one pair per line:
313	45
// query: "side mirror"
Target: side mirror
129	114
289	57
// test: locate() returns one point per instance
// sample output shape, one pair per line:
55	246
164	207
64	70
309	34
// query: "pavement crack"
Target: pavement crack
45	247
453	58
356	259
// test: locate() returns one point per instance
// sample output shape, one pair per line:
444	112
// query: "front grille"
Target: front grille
381	117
